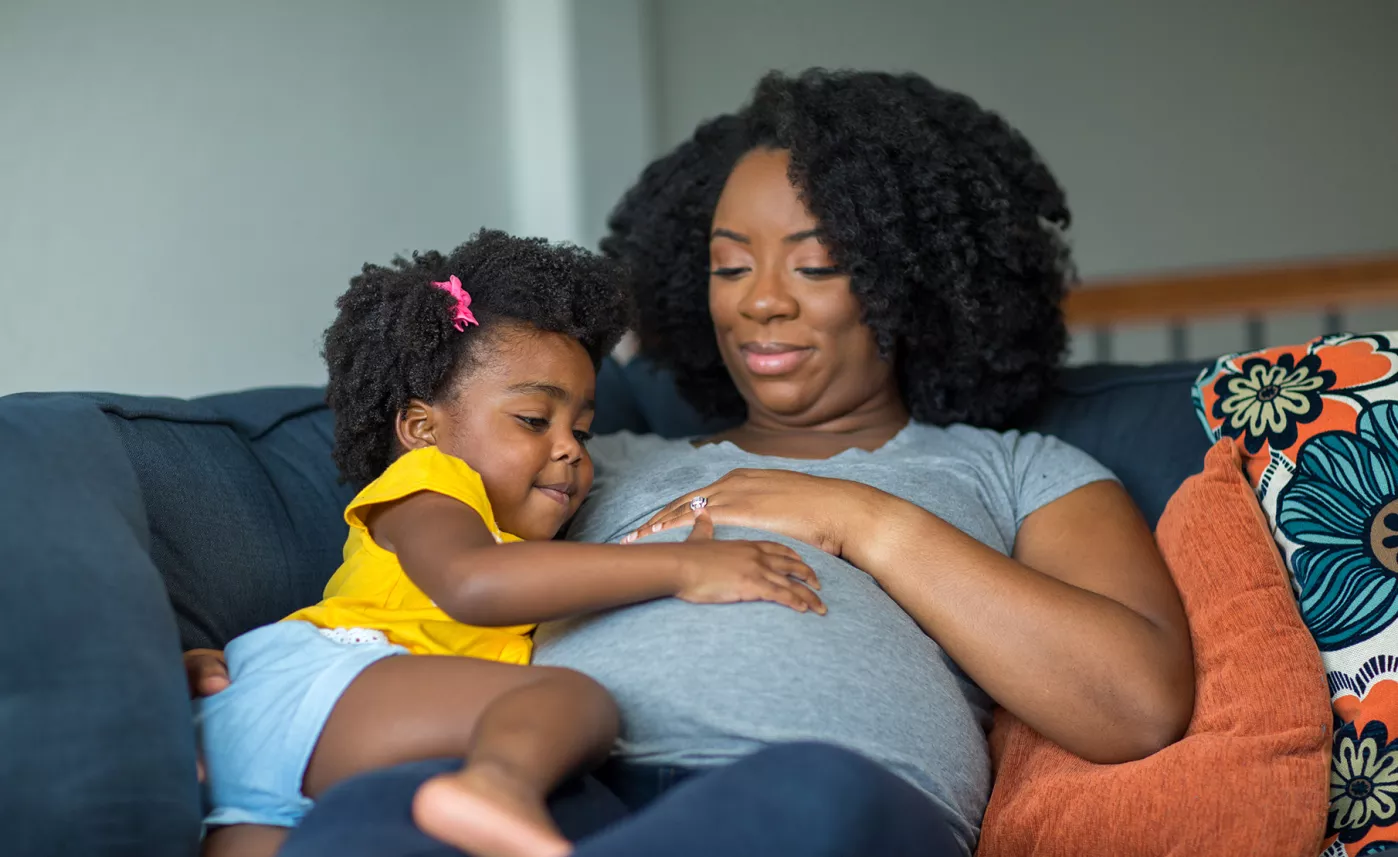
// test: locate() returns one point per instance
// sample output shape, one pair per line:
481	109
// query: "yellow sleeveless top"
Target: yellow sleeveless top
371	590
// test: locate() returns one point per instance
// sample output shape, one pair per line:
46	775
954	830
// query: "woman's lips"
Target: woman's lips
774	358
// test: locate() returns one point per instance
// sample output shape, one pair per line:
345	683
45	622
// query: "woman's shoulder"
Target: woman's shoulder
1034	469
1019	452
955	440
971	438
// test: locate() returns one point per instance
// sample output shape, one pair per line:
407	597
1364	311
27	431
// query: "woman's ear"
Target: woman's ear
416	426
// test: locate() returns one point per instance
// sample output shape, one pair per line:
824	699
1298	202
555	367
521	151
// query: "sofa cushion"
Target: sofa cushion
1251	774
664	410
87	628
617	406
243	503
1319	425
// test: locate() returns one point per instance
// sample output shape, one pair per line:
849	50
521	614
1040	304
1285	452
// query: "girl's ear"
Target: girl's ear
416	426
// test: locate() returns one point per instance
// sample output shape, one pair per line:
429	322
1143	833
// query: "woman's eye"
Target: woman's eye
582	436
820	273
534	423
728	273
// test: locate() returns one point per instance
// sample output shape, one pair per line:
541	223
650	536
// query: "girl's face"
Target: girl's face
789	328
521	420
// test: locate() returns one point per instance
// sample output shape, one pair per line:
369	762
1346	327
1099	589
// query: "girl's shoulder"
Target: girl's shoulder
426	469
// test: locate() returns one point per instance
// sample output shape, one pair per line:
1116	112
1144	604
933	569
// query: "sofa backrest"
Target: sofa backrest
242	500
239	507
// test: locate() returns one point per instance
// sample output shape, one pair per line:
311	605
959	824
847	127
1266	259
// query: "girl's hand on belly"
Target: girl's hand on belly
714	572
829	514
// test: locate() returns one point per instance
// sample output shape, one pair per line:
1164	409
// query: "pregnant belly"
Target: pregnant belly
703	684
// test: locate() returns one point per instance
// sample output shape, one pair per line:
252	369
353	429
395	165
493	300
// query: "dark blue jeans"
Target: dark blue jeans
796	800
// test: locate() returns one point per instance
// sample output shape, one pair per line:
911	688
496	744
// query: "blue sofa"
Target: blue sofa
133	528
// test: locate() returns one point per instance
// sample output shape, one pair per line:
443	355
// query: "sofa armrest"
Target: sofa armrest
94	712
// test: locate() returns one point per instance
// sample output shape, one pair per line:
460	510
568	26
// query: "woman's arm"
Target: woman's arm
1081	633
446	549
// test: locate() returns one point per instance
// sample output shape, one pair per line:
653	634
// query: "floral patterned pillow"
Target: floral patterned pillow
1319	427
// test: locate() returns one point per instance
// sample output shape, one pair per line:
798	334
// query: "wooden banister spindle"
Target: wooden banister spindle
1334	322
1102	344
1179	340
1256	332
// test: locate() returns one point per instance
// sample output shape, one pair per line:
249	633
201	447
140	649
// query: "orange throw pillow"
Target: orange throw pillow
1252	774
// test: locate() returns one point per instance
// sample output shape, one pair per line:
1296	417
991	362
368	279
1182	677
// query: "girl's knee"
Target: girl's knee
565	676
579	687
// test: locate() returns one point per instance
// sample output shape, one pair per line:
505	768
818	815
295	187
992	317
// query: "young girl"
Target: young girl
462	388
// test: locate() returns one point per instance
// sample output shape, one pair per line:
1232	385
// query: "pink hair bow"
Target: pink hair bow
463	315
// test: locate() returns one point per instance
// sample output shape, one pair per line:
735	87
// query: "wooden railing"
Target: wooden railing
1325	287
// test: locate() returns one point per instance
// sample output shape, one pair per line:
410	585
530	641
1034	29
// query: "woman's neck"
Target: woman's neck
868	427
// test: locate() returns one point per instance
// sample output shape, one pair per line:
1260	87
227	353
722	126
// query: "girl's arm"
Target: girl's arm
446	549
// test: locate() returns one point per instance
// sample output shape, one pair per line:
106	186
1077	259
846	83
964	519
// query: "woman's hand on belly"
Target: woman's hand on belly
1080	633
829	514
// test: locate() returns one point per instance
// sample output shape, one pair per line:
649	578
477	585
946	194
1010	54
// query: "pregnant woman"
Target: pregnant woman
861	273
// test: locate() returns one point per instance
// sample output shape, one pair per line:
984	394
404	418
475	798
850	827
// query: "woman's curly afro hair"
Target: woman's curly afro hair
394	339
948	222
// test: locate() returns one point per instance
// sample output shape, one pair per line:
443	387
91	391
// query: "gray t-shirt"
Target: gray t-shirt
702	685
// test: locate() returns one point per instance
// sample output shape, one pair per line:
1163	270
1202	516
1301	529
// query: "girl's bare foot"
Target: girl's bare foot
487	812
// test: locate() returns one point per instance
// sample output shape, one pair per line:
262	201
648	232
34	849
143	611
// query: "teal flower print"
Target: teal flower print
1341	510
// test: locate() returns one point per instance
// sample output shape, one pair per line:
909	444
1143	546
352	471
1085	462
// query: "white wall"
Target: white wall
186	185
616	103
541	112
1187	132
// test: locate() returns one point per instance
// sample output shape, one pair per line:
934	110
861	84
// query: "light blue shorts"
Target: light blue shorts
257	736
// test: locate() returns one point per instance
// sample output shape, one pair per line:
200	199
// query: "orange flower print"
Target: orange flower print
1264	402
1363	781
1279	398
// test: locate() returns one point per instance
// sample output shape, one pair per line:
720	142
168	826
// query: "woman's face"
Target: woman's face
788	326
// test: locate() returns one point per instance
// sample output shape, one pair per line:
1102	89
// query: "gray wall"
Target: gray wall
1187	133
615	97
186	186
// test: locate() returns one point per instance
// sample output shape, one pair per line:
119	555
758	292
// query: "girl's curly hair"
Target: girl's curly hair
947	220
394	338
